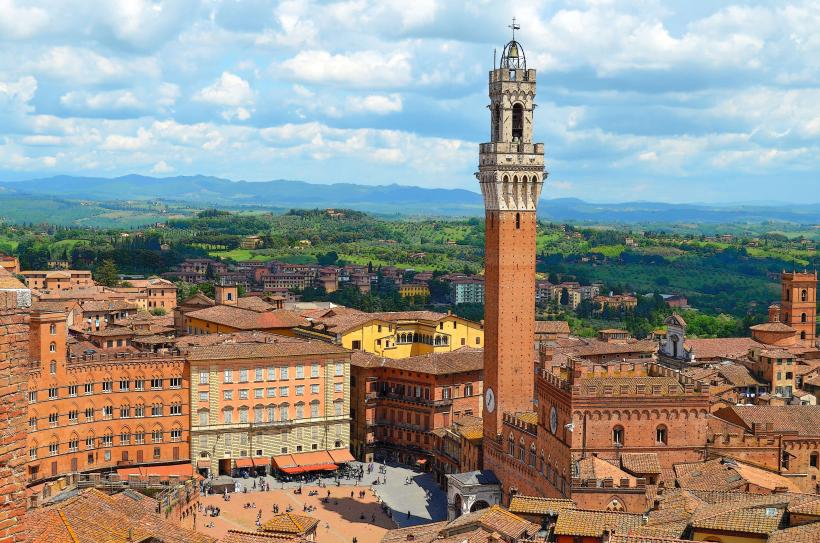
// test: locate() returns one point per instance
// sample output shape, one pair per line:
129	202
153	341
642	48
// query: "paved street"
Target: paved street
423	498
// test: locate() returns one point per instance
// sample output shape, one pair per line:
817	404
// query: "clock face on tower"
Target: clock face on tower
489	400
553	419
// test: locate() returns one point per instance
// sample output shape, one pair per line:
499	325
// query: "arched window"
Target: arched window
300	410
661	435
532	454
511	446
618	435
227	415
803	317
615	504
52	329
52	348
314	409
804	295
52	367
803	335
468	389
517	123
284	410
522	452
496	123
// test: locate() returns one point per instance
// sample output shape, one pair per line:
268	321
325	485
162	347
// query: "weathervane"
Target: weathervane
514	27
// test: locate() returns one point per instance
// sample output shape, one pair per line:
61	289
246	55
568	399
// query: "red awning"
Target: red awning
341	456
182	470
320	467
293	470
244	463
315	458
283	461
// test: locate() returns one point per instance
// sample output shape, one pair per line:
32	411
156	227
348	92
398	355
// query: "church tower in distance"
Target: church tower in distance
511	174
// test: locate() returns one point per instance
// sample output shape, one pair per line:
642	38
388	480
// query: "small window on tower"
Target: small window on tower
518	123
518	220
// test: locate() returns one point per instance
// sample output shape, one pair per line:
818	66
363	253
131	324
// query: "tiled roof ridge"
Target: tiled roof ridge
68	527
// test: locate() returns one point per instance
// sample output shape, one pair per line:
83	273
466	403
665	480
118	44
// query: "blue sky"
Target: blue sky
687	101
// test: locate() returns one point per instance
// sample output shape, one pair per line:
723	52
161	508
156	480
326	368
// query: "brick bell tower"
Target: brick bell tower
798	304
511	174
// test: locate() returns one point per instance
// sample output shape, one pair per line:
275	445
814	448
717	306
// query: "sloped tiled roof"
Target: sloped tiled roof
803	419
551	327
493	519
240	536
93	516
246	319
807	533
461	360
641	463
424	533
290	523
725	347
279	346
594	523
596	468
534	505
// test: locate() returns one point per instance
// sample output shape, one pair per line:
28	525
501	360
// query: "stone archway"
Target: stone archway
479	505
458	505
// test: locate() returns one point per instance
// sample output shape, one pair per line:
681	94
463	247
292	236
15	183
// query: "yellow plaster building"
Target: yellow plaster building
399	334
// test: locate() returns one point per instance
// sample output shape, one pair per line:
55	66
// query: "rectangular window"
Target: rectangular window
243	376
156	410
32	396
314	409
156	384
243	394
203	377
74	445
89	414
228	376
88	389
227	395
176	409
72	391
227	416
300	390
300	372
259	374
73	416
203	396
283	392
258	393
314	370
107	441
340	369
53	449
176	434
139	411
52	393
314	389
139	384
338	387
203	418
107	386
53	419
283	373
125	384
271	392
125	411
243	416
89	443
139	438
175	382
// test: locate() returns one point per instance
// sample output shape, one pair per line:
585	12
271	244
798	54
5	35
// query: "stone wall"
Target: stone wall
14	331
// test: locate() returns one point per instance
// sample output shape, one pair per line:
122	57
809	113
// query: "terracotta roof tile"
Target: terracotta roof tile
460	360
594	523
641	463
533	505
807	533
93	516
804	419
277	346
593	467
290	523
551	327
727	347
493	519
246	319
726	475
425	533
239	536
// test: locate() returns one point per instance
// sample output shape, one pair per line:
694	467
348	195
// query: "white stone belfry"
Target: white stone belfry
511	167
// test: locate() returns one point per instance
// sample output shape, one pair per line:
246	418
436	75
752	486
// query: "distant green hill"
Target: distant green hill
202	191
